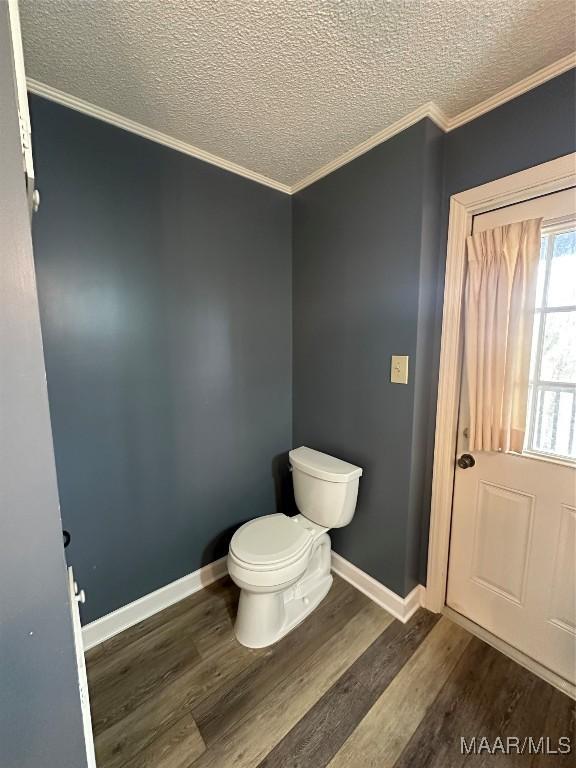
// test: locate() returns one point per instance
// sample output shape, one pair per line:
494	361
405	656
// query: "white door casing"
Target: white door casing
513	537
549	177
541	180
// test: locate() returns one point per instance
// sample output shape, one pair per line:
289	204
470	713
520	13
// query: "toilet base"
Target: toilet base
265	617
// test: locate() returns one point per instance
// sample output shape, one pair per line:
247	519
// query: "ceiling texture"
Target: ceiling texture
283	87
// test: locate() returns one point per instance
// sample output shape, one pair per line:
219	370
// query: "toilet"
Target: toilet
281	563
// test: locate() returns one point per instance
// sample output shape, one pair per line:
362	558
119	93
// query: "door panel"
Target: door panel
513	539
512	554
563	594
502	539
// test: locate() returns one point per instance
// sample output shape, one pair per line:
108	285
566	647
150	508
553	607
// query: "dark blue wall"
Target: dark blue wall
165	293
532	129
368	260
364	289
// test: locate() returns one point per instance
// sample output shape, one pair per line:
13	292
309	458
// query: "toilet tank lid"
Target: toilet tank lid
323	466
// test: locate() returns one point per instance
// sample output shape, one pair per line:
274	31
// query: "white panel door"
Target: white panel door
513	538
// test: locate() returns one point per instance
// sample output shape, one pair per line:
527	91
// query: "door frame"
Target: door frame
547	178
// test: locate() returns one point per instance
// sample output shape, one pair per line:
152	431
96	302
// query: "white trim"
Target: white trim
542	179
430	110
525	661
75	597
402	608
53	94
23	111
129	615
435	113
513	91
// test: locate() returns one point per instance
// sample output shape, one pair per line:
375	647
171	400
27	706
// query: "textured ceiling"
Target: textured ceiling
283	87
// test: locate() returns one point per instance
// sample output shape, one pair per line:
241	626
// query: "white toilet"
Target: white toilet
282	564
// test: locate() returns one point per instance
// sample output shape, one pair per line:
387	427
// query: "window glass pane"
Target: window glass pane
565	427
559	349
534	352
554	429
551	411
545	420
541	270
562	282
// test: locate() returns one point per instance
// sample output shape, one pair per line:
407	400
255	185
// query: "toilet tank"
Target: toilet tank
325	488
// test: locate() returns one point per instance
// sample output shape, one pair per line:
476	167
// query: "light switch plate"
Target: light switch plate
399	369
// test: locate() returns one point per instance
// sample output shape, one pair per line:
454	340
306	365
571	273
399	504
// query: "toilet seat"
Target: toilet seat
272	542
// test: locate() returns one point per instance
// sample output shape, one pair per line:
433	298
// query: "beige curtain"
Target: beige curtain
499	316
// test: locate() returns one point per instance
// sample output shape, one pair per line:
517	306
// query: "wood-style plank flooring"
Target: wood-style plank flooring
350	687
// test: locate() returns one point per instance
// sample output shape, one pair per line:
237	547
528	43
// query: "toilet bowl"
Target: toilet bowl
281	563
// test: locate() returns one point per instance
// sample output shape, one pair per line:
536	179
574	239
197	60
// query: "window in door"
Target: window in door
551	427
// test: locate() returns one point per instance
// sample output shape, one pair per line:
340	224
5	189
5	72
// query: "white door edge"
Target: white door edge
81	663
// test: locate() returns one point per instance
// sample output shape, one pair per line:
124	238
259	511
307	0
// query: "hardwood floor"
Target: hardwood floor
349	688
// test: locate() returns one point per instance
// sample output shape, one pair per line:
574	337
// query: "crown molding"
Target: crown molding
60	97
434	113
426	110
429	110
532	81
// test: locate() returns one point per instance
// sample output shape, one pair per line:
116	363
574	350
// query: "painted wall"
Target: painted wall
366	258
365	252
40	716
165	297
536	127
166	315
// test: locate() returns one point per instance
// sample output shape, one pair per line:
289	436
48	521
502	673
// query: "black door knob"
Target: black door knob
466	461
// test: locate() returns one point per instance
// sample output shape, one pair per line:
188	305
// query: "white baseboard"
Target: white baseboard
123	618
402	608
96	632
